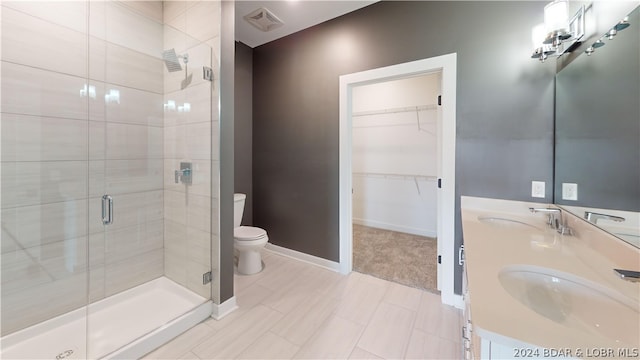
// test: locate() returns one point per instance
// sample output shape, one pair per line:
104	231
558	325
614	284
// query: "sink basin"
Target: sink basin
574	302
505	222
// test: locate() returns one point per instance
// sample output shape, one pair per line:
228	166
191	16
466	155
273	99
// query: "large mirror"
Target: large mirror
597	155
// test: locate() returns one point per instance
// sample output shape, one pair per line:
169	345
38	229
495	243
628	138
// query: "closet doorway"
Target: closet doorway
389	178
395	176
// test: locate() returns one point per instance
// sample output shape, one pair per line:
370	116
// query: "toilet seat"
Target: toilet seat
247	233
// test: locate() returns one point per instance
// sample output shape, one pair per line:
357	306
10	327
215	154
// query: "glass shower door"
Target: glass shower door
44	195
150	176
126	172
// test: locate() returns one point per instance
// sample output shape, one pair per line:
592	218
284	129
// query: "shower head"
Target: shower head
170	59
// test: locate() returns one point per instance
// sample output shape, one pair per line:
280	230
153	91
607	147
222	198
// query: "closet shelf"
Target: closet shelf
415	109
395	110
396	176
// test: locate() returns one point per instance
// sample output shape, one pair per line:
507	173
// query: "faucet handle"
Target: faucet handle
565	230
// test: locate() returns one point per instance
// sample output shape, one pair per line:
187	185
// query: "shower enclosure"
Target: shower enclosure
109	177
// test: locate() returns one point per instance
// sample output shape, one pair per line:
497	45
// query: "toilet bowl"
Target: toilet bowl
248	240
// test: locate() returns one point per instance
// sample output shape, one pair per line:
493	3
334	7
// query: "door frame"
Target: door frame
446	64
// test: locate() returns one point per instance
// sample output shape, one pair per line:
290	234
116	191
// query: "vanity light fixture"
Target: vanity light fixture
621	25
558	34
542	50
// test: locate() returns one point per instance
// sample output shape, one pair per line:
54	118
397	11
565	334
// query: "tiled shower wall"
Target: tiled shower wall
191	135
83	116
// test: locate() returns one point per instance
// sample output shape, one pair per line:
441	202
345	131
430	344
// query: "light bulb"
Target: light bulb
538	33
556	16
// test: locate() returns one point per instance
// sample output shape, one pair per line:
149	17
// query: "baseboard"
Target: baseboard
314	260
393	227
224	309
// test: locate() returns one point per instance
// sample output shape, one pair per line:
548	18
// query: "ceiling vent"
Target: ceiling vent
263	19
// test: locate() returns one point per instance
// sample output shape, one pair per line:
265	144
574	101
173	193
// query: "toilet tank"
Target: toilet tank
238	208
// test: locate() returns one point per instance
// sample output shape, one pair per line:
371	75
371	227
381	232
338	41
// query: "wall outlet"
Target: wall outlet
537	189
569	191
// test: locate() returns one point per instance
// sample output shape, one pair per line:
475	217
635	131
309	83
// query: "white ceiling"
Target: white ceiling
296	15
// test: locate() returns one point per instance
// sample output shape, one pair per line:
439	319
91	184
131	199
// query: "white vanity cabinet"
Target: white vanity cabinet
471	343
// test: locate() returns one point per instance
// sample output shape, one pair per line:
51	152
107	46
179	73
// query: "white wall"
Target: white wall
395	154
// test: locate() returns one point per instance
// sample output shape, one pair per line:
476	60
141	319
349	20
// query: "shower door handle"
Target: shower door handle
107	210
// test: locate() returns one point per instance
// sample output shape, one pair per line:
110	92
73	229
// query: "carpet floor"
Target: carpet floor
403	258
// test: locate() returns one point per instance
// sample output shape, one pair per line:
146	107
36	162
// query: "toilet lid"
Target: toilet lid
248	233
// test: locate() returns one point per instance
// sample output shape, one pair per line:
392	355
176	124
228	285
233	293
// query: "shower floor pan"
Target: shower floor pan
125	325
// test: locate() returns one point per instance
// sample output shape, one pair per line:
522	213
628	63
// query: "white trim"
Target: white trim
446	212
163	335
393	227
458	301
224	309
314	260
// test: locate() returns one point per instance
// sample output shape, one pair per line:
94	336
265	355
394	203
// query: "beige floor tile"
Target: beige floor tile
272	264
322	279
361	297
287	272
290	295
336	339
183	343
302	322
428	346
246	299
294	309
241	282
438	319
188	356
404	296
358	353
270	346
388	332
237	336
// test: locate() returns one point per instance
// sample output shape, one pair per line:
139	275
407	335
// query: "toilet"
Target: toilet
247	240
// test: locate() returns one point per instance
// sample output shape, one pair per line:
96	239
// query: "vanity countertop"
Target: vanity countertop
500	235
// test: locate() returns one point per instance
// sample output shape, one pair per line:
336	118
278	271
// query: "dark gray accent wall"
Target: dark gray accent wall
243	128
504	108
227	94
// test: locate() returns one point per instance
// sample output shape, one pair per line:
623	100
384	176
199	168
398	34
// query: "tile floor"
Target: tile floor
294	310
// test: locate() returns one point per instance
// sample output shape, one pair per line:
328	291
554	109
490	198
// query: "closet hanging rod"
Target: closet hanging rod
413	123
395	110
396	176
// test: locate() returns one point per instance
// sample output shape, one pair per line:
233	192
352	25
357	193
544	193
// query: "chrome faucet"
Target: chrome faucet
594	217
629	275
554	219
